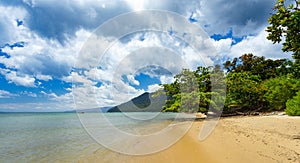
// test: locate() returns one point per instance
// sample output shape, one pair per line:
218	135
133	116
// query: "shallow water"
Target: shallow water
61	137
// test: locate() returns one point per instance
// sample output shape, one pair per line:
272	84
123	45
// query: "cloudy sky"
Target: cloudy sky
60	55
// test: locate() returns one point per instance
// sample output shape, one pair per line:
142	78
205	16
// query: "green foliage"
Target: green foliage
279	90
243	90
192	90
173	104
218	89
285	23
190	101
259	66
254	82
251	83
293	106
296	69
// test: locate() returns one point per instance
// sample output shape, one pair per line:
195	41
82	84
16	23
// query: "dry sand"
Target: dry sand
235	139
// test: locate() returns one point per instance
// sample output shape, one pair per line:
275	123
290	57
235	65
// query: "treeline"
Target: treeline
243	85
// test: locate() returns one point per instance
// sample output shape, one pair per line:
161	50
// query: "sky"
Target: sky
58	55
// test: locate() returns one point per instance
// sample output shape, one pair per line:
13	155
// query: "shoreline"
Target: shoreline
271	138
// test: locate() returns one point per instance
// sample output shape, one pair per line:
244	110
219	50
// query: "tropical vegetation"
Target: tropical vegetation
248	83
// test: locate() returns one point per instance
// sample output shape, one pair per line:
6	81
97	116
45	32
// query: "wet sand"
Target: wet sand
235	139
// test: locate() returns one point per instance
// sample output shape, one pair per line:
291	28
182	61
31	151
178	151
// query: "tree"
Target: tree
173	97
265	68
293	105
192	90
285	23
243	91
182	93
296	69
189	97
279	90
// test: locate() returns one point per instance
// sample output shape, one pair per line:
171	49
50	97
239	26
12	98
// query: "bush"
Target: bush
279	90
293	106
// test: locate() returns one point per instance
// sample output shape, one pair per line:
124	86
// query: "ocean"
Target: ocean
69	137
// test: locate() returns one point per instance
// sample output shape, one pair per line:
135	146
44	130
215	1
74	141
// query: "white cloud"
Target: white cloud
125	58
99	75
44	77
223	46
8	24
81	79
43	56
18	79
6	94
85	94
132	80
136	5
257	45
153	88
28	93
166	79
40	57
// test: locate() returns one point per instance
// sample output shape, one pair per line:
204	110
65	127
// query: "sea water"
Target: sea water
62	137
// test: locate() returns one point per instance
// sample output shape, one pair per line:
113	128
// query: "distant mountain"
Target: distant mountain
94	110
146	102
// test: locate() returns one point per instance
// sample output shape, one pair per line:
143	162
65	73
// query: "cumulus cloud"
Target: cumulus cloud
59	19
223	46
132	80
153	88
157	54
257	45
18	79
42	56
81	79
44	77
166	79
8	24
260	46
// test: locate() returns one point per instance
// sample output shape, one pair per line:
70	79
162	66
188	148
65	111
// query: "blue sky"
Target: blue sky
43	67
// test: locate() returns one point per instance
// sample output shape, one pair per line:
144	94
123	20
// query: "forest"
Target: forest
245	84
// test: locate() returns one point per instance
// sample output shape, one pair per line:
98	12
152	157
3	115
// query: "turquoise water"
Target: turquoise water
60	137
43	137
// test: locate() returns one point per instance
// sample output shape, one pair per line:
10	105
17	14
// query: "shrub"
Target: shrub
279	90
293	106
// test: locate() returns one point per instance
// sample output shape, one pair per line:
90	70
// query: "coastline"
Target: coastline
235	139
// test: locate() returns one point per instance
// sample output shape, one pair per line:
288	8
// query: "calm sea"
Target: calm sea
61	137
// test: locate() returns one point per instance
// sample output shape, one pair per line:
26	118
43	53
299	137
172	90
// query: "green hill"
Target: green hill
143	103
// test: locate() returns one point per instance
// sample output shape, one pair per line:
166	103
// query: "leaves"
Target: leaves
293	106
192	90
243	90
279	90
285	23
259	66
252	83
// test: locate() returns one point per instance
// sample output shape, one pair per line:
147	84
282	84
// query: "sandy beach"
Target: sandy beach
235	139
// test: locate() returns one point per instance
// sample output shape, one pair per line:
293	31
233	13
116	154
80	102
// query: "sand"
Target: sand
234	140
